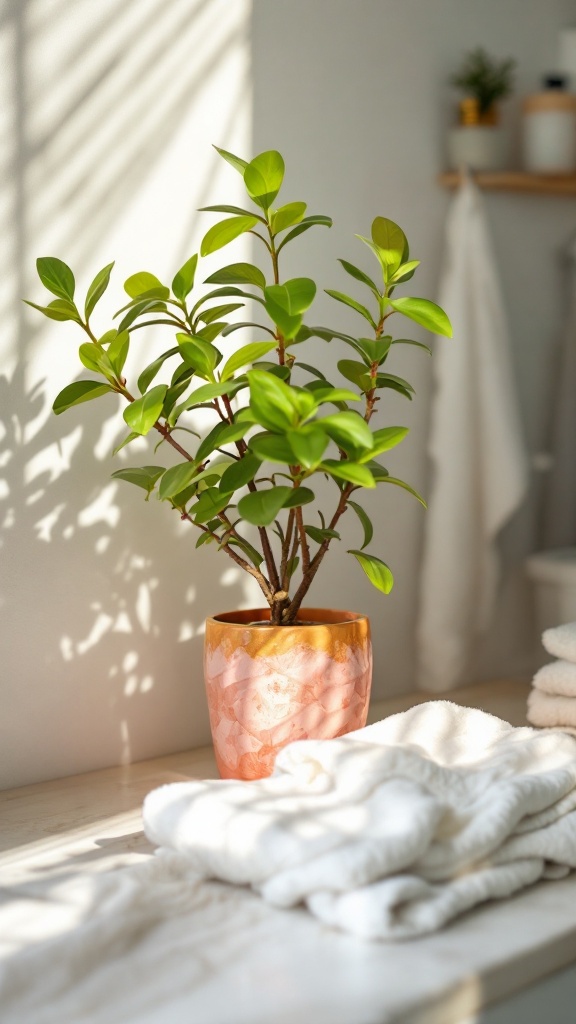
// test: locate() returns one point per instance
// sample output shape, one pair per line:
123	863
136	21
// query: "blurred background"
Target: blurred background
108	115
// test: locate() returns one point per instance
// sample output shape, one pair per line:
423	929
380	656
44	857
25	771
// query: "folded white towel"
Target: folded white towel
561	641
389	832
557	678
552	711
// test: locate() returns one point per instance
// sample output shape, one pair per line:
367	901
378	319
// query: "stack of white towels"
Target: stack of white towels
552	702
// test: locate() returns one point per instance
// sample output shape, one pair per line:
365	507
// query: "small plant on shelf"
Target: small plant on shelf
278	422
484	80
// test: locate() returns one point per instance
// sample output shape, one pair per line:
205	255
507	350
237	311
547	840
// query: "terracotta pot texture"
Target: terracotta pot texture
269	685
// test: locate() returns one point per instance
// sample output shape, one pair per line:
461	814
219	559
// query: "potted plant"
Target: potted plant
246	487
477	142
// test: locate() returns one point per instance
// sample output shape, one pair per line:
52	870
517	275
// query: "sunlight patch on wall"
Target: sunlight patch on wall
101	510
55	459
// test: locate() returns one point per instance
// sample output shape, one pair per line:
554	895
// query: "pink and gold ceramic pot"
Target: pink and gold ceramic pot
269	685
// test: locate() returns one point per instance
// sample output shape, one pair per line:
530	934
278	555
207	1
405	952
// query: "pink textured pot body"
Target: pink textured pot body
269	685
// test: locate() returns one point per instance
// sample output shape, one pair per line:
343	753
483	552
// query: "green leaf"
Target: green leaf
356	372
261	507
325	395
207	316
127	440
282	372
141	476
239	474
204	538
222	433
250	552
145	306
200	354
176	479
118	351
348	428
141	415
418	344
405	272
304	225
206	393
376	570
230	328
59	309
294	296
359	275
95	358
292	565
238	273
236	162
299	496
223	208
271	401
56	276
244	356
406	487
319	536
225	231
308	444
286	324
97	289
374	350
149	373
390	380
183	282
138	284
311	369
175	391
378	472
348	301
80	391
384	440
286	216
211	331
210	503
390	241
263	177
366	523
349	471
272	448
424	312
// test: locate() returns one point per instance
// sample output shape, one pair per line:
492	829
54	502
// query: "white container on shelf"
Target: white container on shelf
479	147
554	576
549	132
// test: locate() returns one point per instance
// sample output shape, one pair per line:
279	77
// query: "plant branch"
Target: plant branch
264	539
258	576
303	540
292	609
286	549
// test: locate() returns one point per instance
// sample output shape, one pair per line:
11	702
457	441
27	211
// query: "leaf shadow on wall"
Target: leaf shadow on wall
76	546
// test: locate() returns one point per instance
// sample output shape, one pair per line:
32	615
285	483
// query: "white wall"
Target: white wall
108	111
111	109
355	94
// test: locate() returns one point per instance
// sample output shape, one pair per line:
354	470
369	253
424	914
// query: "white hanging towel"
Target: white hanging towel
476	445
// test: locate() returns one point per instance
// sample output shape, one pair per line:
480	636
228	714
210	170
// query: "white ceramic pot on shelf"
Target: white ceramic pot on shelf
479	147
477	141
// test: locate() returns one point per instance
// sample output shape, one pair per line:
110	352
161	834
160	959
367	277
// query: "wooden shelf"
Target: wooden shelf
517	181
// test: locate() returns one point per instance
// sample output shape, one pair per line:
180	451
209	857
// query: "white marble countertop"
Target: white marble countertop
257	965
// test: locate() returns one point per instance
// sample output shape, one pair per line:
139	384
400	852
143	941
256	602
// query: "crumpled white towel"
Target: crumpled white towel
392	831
561	641
557	678
476	445
552	711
